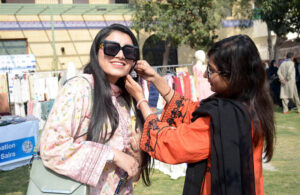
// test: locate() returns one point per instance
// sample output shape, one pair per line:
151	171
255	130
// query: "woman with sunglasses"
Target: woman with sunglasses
89	133
222	137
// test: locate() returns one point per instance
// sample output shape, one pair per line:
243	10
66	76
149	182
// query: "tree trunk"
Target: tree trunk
278	43
270	46
167	52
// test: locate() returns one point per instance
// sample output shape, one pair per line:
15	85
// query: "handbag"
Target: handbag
44	181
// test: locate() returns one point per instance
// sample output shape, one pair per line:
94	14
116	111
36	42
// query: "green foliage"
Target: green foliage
191	22
281	16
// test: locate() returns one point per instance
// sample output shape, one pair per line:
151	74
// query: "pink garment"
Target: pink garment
201	84
30	105
177	85
81	160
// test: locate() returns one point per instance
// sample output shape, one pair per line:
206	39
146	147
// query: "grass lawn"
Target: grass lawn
283	179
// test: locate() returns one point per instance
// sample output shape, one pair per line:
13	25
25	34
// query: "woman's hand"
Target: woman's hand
135	146
127	163
144	70
135	151
133	88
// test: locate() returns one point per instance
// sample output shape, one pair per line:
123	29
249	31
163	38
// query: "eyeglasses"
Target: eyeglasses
209	71
112	48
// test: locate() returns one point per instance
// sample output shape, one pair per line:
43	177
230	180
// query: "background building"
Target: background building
61	31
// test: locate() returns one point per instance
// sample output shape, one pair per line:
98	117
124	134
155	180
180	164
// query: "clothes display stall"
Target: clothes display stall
17	146
26	99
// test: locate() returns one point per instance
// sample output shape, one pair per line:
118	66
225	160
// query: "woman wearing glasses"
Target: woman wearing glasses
222	137
89	133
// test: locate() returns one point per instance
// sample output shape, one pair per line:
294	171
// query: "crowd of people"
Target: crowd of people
102	128
285	82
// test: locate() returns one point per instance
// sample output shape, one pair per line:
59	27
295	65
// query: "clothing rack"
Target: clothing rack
41	73
167	69
174	65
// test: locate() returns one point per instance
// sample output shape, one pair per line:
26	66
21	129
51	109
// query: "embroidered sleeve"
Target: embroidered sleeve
179	110
185	143
80	160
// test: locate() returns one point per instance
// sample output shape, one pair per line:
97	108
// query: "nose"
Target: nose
120	54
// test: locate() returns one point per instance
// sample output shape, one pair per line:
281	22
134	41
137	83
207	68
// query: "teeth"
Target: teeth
117	63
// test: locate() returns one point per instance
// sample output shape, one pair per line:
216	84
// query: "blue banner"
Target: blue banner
15	149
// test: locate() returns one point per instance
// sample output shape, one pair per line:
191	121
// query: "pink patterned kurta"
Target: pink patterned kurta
81	160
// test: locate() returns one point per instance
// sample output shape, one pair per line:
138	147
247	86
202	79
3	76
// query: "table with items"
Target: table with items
18	138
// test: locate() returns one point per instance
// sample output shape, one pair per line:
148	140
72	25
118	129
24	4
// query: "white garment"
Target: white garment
51	87
17	90
174	171
193	88
160	103
146	90
25	89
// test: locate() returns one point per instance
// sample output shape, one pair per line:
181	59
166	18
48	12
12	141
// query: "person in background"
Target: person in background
89	132
287	77
297	71
223	137
274	82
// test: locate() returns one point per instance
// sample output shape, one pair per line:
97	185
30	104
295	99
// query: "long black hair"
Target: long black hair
238	59
103	110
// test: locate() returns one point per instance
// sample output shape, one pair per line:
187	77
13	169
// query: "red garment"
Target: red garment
177	85
187	85
175	139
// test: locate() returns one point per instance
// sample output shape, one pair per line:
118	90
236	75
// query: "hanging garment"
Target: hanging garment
3	83
51	87
202	85
177	85
153	96
193	89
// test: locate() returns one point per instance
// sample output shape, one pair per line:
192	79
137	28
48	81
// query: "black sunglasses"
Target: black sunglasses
112	48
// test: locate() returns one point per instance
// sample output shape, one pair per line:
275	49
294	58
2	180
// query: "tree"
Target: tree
191	22
281	17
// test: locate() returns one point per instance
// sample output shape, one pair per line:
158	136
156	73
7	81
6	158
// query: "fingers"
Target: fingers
133	171
127	163
134	144
129	79
141	65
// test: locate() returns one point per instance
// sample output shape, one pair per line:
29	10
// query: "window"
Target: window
119	1
80	1
11	47
18	1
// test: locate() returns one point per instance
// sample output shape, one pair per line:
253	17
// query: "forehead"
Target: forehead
119	37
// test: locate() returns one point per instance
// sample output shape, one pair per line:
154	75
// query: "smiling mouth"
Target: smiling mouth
118	63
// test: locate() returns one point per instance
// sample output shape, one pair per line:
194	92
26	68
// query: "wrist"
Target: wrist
139	97
156	78
138	105
167	93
